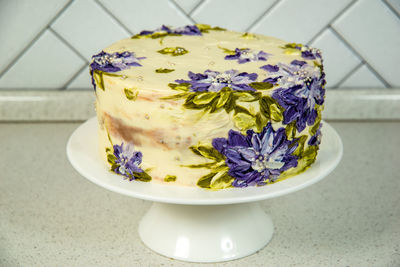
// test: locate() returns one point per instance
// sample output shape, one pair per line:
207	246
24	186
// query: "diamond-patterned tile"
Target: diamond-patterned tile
338	58
187	5
48	64
82	81
362	78
232	14
88	28
20	22
299	21
395	4
374	31
139	15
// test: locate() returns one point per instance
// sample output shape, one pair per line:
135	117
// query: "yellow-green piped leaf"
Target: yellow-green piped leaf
244	121
170	178
173	51
290	130
204	98
161	70
221	180
131	93
142	176
205	181
261	85
223	98
180	86
248	35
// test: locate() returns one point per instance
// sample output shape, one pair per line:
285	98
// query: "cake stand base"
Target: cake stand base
211	233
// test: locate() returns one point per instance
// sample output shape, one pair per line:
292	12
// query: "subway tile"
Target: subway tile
363	77
21	21
338	58
48	64
88	28
232	14
187	5
138	15
299	21
374	32
82	81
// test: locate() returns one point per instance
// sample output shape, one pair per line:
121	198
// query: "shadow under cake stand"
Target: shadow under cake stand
193	224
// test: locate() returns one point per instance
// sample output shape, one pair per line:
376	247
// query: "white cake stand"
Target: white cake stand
193	224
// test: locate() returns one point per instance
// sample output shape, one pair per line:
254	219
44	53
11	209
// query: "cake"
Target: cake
205	107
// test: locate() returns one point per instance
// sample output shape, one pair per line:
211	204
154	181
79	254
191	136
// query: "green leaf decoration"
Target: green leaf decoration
181	87
244	121
161	70
261	85
204	28
204	98
142	176
227	51
300	148
224	96
208	152
240	109
270	108
209	165
205	181
292	45
98	77
291	130
221	180
173	51
248	35
111	158
248	96
261	121
170	178
131	93
313	130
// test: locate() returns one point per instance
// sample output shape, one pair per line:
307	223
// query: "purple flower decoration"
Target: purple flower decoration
114	62
315	140
257	158
247	55
214	81
309	52
127	161
290	75
299	101
186	30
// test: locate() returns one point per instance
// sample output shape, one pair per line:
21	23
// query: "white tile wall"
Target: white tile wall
48	44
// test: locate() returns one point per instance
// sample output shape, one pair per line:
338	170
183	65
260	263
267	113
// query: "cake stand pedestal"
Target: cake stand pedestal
193	224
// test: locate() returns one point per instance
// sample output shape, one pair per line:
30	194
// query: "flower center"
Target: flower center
222	78
263	162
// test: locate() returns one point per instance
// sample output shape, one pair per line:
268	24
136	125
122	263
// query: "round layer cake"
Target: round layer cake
204	106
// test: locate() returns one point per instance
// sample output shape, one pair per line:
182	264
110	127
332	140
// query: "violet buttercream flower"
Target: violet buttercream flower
186	30
299	102
127	160
290	75
247	55
309	52
114	62
257	158
214	81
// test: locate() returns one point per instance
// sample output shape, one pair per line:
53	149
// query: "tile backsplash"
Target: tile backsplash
48	44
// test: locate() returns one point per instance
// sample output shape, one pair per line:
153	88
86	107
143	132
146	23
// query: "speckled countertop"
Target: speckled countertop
51	216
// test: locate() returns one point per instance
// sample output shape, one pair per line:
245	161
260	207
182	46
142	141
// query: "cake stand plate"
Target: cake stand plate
194	224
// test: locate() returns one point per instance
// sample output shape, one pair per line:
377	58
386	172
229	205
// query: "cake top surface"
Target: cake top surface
207	57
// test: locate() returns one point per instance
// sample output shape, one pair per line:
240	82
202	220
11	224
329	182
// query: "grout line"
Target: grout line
68	44
113	16
345	42
389	5
350	73
179	9
265	13
339	14
202	2
64	87
26	48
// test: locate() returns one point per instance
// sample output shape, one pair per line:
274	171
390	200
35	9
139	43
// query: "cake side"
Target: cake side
215	110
